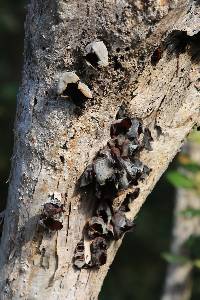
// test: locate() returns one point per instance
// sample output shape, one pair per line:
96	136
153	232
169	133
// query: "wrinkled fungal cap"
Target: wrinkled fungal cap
98	48
85	90
65	79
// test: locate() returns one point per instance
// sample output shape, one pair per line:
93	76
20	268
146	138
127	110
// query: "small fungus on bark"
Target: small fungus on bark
70	86
97	54
50	216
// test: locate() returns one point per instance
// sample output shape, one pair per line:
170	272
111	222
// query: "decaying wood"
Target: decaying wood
55	139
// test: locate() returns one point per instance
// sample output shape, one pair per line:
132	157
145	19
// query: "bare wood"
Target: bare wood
53	144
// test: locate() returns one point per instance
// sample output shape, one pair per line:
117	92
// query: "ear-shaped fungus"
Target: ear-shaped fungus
116	167
51	215
97	54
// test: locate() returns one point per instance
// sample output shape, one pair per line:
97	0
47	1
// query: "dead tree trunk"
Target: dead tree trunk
152	69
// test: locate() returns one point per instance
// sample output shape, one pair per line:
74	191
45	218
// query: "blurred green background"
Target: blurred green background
11	50
138	271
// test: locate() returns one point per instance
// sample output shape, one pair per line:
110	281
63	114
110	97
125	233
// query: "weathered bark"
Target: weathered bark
53	144
178	285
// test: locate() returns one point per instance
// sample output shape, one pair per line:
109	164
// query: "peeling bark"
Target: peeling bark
55	138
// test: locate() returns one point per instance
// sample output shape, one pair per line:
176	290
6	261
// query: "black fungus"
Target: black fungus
122	112
124	182
147	139
116	167
145	173
156	56
103	170
96	227
50	216
50	209
108	191
87	176
120	126
79	257
121	224
52	224
135	129
98	250
103	210
130	197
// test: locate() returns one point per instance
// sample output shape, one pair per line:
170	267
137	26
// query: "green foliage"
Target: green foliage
192	167
192	250
179	180
196	263
190	212
175	259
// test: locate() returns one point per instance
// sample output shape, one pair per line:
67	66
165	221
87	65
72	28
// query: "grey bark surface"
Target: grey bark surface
54	143
178	284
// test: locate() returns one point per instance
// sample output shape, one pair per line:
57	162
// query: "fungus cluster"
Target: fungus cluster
115	168
51	215
71	87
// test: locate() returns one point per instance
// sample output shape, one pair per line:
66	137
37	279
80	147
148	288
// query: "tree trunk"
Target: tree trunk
152	47
178	284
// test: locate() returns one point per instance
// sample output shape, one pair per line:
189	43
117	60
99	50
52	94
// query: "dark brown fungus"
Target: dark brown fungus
98	250
108	191
122	112
103	170
103	210
52	224
147	139
123	181
87	176
130	197
121	224
50	216
79	258
158	130
133	168
120	126
116	167
156	56
51	209
96	227
135	129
